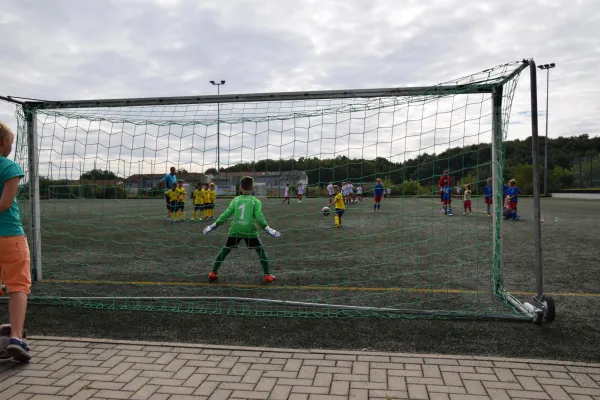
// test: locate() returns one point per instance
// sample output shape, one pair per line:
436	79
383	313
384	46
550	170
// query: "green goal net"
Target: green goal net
104	240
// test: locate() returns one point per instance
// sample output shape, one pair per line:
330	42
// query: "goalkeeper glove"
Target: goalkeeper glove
209	229
272	232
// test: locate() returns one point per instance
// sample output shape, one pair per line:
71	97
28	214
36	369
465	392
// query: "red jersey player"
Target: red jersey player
445	180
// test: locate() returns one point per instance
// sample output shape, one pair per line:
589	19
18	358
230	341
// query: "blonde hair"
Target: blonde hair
512	181
212	185
5	131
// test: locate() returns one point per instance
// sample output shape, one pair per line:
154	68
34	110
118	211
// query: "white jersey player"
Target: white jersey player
286	194
359	191
300	191
330	190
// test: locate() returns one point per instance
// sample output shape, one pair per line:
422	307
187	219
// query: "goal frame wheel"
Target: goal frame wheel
548	308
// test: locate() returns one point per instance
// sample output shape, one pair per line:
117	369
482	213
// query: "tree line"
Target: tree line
572	162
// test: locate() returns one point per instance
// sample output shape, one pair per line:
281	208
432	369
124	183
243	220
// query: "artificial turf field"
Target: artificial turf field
410	245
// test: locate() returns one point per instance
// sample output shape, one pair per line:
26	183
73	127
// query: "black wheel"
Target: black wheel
548	310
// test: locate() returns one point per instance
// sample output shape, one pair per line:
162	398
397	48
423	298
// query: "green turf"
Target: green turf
409	256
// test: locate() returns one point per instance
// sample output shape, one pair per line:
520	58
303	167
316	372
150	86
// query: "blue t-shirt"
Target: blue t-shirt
169	180
10	220
488	192
447	192
513	191
378	190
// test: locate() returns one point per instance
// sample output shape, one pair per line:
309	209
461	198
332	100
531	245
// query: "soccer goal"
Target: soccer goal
411	256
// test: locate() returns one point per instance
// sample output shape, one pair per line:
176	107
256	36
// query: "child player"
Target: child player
447	204
330	190
14	256
378	194
445	179
467	200
504	194
512	198
197	202
205	200
173	195
286	194
340	207
359	190
181	201
247	211
300	190
488	192
212	200
350	192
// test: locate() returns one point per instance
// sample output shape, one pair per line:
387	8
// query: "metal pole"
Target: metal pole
535	152
34	194
497	188
546	141
218	132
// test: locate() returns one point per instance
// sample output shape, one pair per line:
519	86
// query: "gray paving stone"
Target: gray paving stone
417	392
280	392
341	388
145	392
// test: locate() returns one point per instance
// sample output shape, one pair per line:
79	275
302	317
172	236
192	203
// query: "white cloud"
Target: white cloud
69	49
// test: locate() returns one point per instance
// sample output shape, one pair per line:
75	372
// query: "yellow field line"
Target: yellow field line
326	288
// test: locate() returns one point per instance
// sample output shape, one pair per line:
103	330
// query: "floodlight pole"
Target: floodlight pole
547	67
218	85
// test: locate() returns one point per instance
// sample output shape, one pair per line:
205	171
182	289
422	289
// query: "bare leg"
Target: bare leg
17	307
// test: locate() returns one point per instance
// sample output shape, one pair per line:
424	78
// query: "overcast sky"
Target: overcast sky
133	48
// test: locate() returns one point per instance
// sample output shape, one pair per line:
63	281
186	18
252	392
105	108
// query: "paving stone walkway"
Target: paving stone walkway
107	369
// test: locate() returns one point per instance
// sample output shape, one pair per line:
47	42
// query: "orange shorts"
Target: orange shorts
14	264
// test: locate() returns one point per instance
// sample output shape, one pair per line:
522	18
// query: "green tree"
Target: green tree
99	175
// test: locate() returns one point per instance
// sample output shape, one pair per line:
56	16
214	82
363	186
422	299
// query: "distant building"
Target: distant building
271	179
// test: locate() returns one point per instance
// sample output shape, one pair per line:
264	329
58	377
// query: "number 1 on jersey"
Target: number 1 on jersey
243	208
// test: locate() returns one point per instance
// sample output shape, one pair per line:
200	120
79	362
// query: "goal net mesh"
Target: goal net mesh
111	246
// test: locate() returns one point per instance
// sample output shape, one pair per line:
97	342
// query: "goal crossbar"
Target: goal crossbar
263	97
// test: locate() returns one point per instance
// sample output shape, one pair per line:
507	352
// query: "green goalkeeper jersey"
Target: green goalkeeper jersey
246	211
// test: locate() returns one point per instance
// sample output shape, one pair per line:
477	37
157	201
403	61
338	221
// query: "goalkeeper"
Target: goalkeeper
246	210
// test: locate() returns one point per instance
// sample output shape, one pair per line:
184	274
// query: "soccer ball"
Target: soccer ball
325	211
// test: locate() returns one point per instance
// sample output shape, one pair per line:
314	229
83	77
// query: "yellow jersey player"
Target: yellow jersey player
205	200
181	201
212	196
197	202
340	207
173	195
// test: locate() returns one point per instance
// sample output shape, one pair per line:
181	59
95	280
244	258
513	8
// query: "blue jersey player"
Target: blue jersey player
488	192
447	200
378	194
512	196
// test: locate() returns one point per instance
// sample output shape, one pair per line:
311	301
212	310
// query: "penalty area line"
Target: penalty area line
315	288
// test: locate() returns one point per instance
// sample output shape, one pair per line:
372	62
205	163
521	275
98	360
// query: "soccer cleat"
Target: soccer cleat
517	217
18	350
168	218
212	276
269	278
